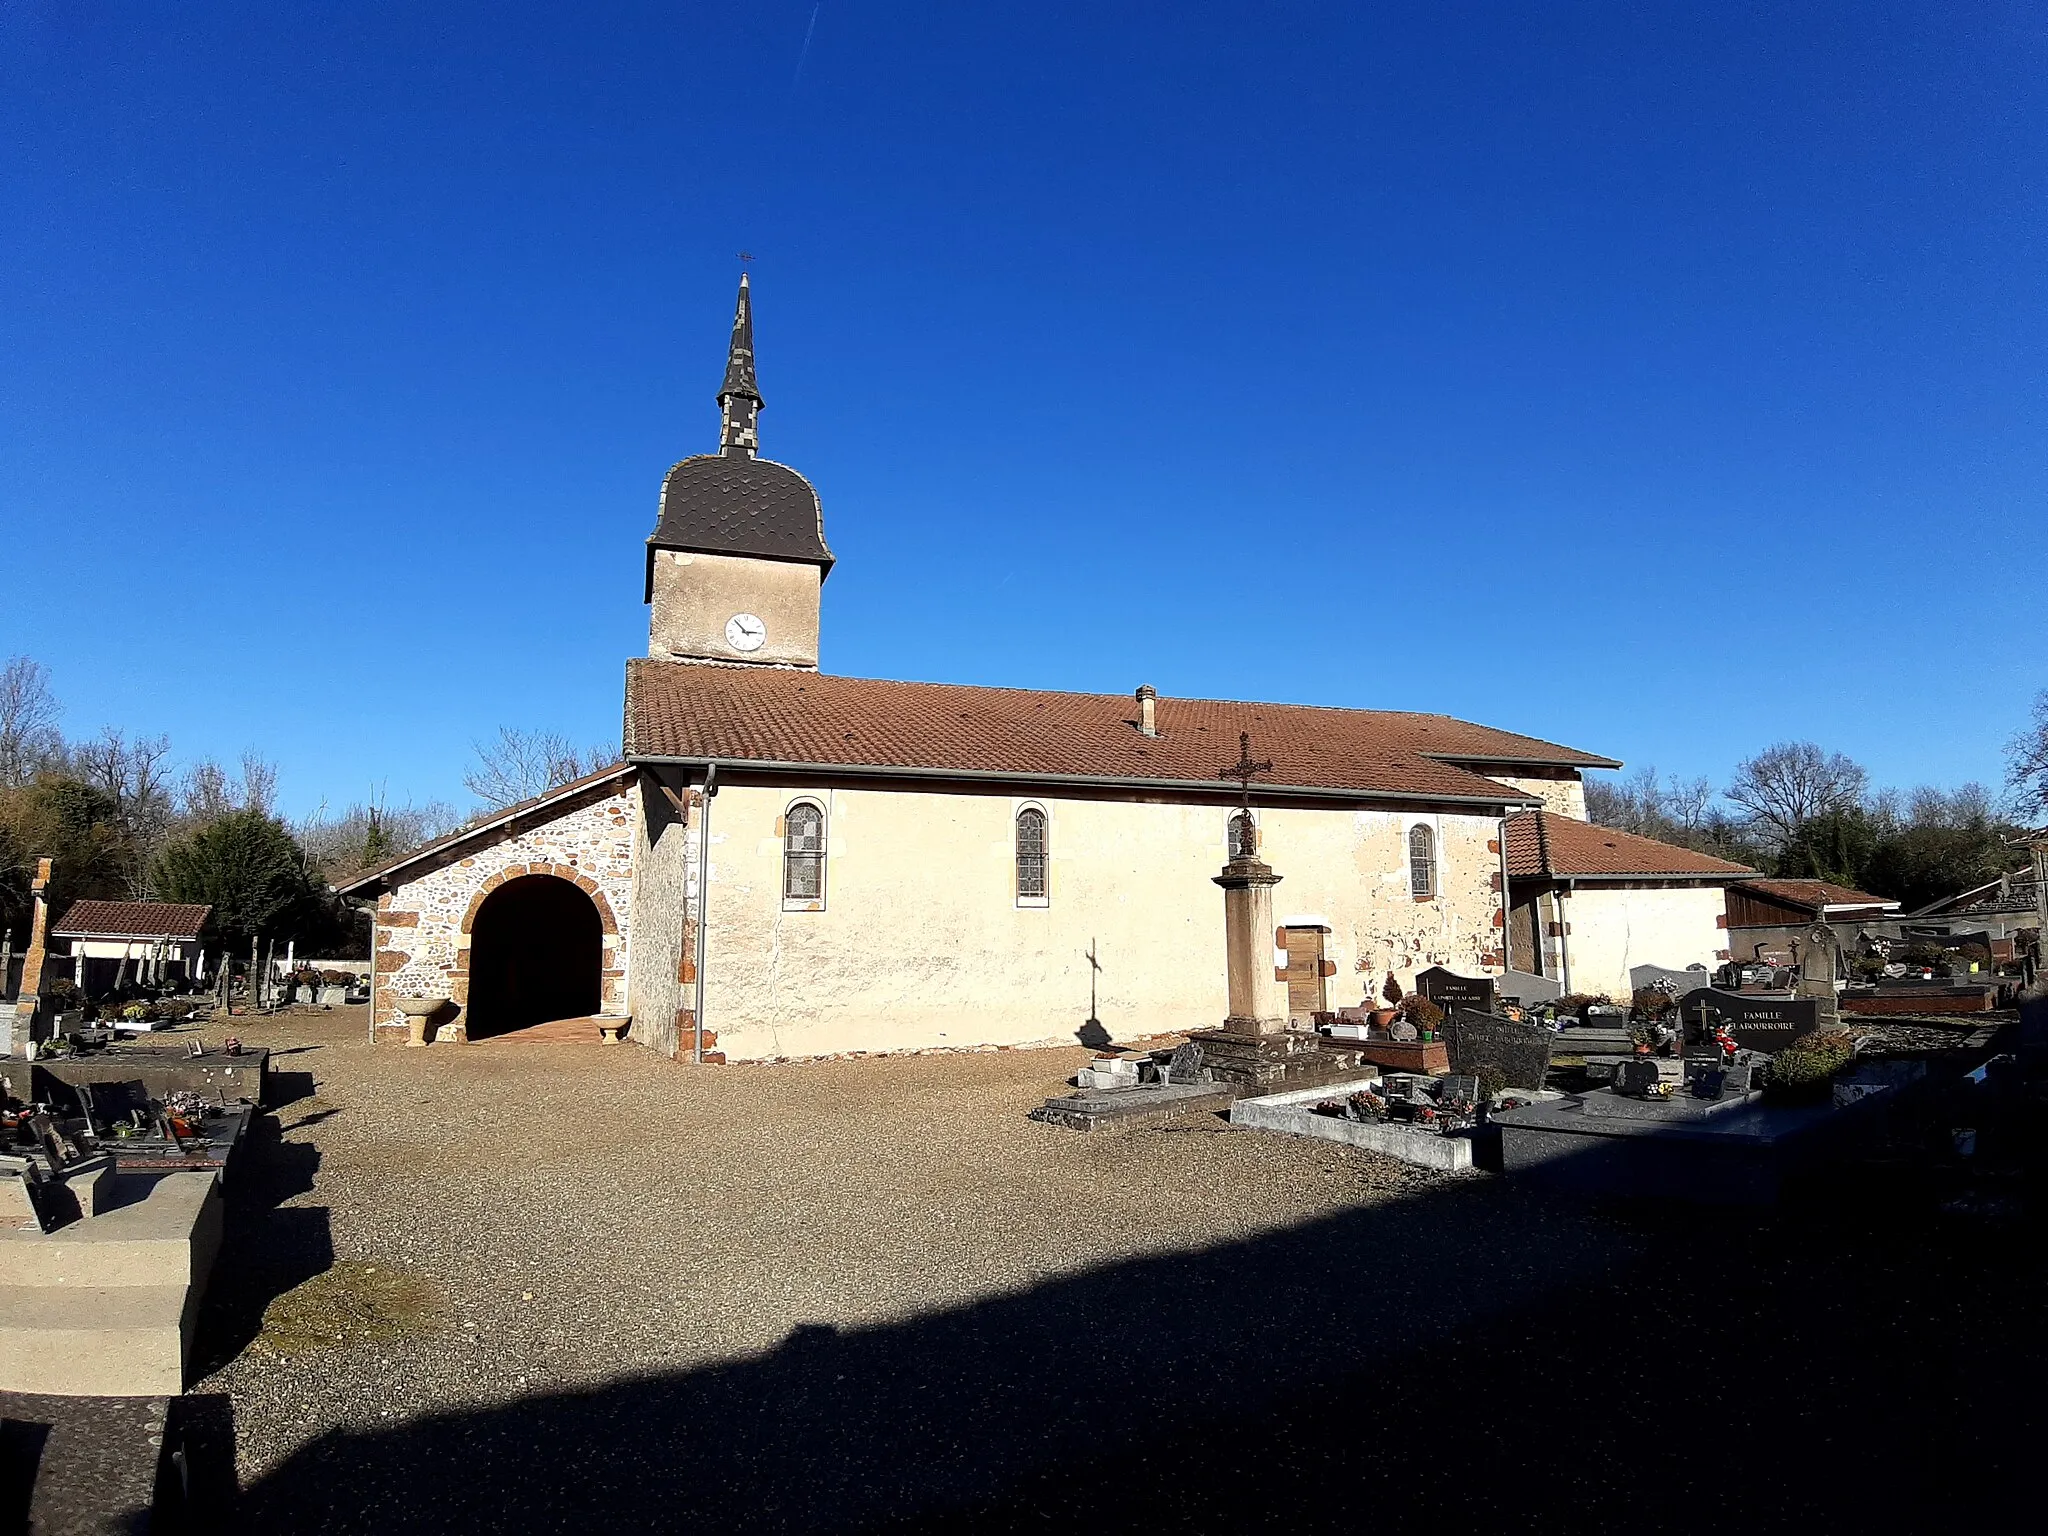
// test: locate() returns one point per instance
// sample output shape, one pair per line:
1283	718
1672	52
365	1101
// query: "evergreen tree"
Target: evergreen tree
250	870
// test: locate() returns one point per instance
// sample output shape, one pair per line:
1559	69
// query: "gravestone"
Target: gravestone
1636	1075
1402	1030
1457	1085
1521	1051
1820	958
1666	980
1448	990
1521	987
1185	1065
1766	1024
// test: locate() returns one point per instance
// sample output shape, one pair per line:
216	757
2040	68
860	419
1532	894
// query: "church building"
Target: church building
790	863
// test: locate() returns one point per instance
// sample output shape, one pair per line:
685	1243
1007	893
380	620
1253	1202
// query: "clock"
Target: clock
744	632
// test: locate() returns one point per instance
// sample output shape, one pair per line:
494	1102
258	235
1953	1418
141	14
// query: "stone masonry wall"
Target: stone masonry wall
423	925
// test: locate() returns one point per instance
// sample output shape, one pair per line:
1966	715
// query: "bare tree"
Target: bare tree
2026	763
210	792
1785	786
28	721
521	764
1642	803
136	776
369	832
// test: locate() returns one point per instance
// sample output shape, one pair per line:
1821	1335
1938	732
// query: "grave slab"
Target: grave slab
1098	1109
1293	1113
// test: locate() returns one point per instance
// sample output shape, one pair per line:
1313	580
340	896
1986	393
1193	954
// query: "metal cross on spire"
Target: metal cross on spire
1243	770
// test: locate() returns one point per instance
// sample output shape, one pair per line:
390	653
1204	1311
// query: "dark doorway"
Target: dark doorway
536	951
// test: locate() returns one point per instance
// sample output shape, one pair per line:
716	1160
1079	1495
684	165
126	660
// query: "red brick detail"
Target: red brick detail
390	960
583	883
398	919
1499	918
1493	845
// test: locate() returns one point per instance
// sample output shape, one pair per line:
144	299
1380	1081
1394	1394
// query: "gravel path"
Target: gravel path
524	1288
463	1228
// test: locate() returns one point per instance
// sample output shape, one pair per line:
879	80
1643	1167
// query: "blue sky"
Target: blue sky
1664	380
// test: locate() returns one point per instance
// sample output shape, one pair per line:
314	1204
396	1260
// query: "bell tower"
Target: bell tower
737	562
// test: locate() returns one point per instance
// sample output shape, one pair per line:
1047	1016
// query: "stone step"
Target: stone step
145	1231
94	1341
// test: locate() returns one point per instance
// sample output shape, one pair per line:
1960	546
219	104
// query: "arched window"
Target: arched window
1242	842
803	853
1421	862
1032	888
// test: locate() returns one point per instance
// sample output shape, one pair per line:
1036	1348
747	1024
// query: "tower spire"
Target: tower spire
739	397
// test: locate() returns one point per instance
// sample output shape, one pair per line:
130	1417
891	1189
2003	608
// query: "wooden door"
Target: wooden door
1305	994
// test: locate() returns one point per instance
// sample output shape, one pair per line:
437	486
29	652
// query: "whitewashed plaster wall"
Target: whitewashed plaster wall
920	941
422	940
1616	927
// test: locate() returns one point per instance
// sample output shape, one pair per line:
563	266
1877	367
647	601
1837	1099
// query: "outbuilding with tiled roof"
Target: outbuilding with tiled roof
112	943
1588	904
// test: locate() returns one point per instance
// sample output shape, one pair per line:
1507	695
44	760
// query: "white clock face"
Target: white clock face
744	632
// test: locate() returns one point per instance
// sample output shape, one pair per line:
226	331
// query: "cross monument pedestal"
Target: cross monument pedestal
1255	1051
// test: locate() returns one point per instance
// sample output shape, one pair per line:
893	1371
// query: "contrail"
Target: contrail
805	51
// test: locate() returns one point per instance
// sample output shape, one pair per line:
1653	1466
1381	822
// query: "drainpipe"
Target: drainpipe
1564	938
1507	911
703	907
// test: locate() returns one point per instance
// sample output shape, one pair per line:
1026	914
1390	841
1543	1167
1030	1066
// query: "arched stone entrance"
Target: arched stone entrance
536	952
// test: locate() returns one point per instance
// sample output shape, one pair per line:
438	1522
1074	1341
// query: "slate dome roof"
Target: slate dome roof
734	504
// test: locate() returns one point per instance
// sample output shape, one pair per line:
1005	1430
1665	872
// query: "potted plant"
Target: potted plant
1382	1017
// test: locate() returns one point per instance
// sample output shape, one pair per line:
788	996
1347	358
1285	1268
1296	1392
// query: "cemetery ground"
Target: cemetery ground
523	1287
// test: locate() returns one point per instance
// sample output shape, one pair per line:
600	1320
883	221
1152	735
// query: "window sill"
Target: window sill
802	906
1038	902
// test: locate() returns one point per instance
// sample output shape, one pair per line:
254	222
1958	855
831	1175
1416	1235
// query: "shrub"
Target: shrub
1651	1003
1493	1081
1392	990
1804	1068
1577	1002
1420	1011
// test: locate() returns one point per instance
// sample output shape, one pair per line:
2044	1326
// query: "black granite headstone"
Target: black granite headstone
1766	1024
1448	990
1521	1051
1635	1075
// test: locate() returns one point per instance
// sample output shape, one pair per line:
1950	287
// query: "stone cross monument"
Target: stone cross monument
1258	999
21	1018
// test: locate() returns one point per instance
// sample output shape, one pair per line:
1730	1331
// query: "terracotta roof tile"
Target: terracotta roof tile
132	919
691	713
1543	843
1814	894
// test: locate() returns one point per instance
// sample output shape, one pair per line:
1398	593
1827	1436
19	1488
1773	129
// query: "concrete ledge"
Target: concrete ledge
93	1341
147	1230
105	1306
1294	1114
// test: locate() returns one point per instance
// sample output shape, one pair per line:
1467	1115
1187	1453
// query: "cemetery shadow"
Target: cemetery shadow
267	1247
1475	1357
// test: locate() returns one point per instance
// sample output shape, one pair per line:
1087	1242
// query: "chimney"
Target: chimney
1147	698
